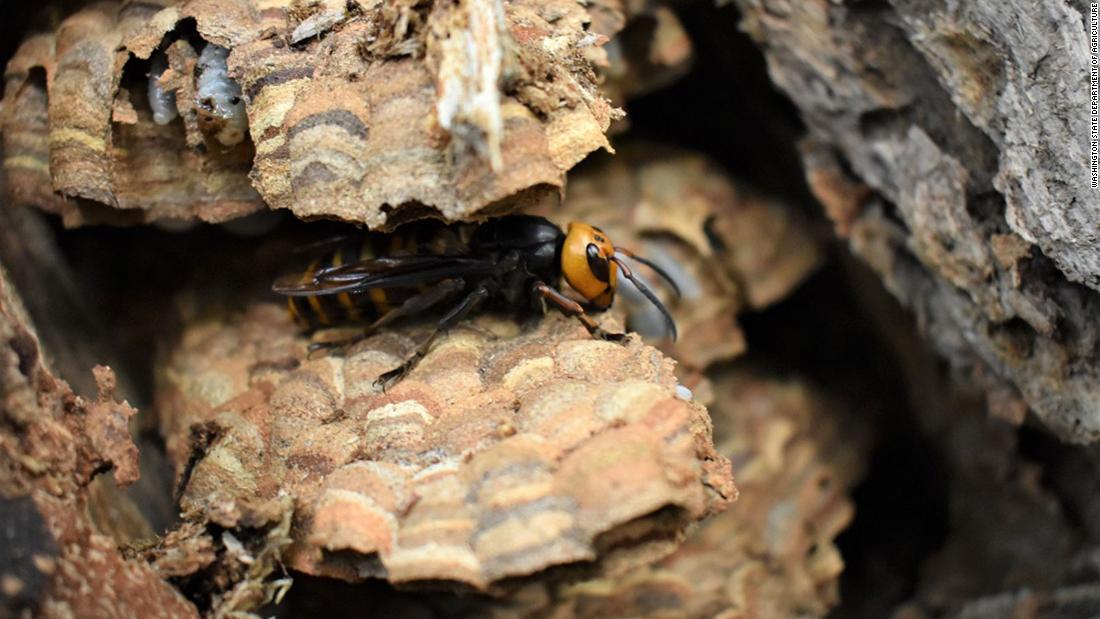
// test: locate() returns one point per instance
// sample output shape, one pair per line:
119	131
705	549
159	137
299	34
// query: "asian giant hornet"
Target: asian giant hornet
515	262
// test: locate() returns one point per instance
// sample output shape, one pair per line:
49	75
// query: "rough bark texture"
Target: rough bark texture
1020	536
52	444
966	122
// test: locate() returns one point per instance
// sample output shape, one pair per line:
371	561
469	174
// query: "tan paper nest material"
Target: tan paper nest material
772	555
454	106
507	451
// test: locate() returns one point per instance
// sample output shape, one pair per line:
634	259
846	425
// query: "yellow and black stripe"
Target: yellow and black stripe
318	311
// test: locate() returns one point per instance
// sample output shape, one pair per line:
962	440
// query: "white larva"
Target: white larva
162	102
218	98
683	393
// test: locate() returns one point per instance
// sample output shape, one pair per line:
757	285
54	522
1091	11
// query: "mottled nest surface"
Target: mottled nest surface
770	556
446	107
505	452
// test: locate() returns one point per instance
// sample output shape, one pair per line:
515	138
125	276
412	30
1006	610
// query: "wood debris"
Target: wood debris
53	443
228	560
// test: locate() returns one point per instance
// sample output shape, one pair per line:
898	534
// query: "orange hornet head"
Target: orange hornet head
591	263
587	264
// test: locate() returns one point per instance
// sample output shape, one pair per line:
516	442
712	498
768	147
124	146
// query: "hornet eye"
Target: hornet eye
598	263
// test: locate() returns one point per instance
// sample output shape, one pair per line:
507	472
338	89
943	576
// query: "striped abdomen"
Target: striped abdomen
325	310
318	311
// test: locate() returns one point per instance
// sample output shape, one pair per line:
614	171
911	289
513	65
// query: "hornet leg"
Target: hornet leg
569	307
412	306
468	304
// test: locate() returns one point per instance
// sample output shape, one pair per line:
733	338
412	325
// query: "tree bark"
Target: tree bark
948	142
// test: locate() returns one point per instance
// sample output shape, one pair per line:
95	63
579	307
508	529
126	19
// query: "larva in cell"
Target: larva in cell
162	102
218	98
